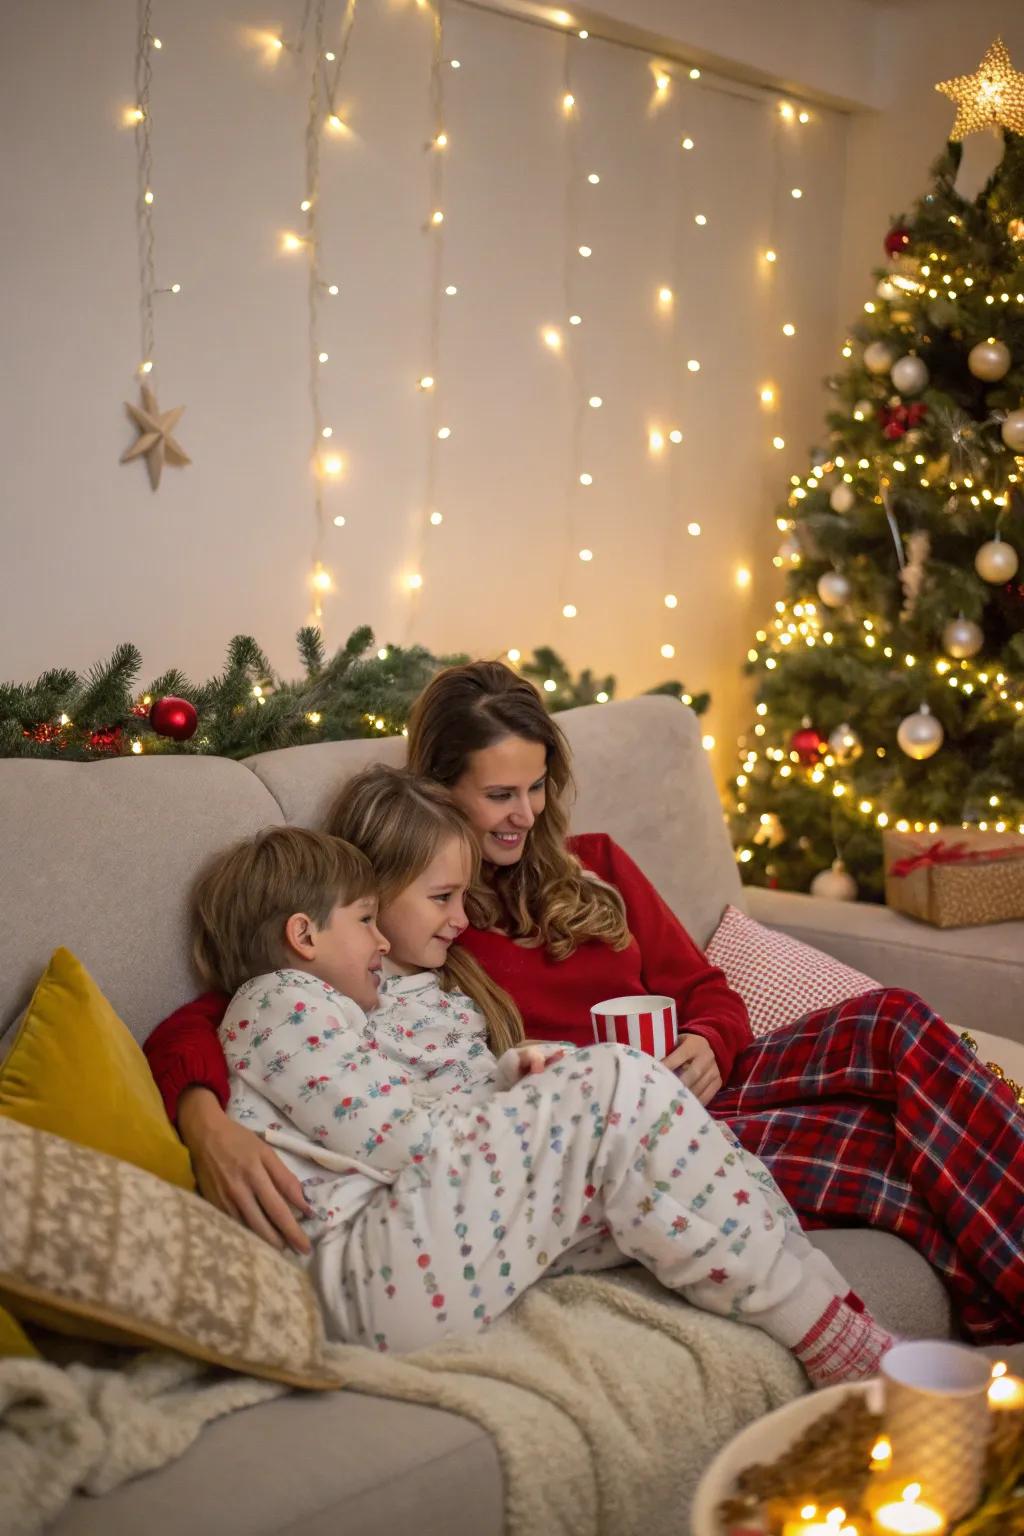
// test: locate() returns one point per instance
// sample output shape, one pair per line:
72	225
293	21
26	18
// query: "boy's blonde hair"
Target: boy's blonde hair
400	822
245	895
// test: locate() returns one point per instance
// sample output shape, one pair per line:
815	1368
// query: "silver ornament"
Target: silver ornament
920	735
842	498
878	357
844	744
909	374
962	638
996	562
835	884
863	410
989	360
834	589
1013	431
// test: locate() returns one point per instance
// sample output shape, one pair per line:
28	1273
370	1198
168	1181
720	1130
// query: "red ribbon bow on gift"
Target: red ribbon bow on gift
951	853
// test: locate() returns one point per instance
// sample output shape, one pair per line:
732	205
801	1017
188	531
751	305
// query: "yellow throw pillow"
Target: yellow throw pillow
13	1340
93	1247
75	1070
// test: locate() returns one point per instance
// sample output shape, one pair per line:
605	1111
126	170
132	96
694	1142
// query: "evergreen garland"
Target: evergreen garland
361	691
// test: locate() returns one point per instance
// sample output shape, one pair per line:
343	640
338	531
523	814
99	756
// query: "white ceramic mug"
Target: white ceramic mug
937	1421
646	1023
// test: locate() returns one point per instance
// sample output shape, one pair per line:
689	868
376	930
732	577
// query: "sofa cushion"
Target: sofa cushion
777	977
92	1246
74	1069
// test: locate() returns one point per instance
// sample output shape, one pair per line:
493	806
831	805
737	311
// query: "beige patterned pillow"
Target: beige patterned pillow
95	1247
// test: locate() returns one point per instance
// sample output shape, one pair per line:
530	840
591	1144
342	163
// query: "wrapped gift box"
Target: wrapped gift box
955	878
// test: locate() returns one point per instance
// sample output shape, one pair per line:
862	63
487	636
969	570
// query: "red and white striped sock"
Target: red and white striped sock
845	1344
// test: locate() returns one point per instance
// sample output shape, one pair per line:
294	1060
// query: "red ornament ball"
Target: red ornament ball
808	744
897	240
173	717
107	739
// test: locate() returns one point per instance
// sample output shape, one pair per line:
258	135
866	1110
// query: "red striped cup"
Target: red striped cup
646	1023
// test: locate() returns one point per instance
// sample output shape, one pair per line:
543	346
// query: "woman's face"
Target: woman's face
502	792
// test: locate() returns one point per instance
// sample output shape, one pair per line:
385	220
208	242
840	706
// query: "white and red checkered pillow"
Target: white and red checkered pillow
777	977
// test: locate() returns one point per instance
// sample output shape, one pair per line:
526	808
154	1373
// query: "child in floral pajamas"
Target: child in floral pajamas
443	1179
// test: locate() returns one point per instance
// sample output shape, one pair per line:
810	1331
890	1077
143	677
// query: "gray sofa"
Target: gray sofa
99	857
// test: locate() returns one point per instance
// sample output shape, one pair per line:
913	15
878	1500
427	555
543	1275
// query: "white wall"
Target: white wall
93	557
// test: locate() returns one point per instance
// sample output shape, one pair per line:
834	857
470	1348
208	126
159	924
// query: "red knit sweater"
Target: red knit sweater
554	996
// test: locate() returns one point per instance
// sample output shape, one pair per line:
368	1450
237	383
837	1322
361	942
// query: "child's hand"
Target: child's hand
524	1061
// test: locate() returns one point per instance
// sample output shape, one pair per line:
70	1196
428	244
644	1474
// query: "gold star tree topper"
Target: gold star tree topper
154	442
993	97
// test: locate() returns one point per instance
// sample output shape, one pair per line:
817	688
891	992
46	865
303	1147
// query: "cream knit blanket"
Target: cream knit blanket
605	1395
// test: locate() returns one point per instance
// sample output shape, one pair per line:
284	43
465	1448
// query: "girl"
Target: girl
444	1182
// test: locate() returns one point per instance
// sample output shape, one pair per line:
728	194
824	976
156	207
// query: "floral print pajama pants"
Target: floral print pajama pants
604	1154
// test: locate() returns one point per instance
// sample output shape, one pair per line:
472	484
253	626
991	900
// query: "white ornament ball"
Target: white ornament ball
989	360
835	884
996	562
909	374
842	498
887	290
962	638
863	410
1013	431
834	589
920	735
844	743
878	357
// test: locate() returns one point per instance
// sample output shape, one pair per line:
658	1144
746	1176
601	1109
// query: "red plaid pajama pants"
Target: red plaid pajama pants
874	1113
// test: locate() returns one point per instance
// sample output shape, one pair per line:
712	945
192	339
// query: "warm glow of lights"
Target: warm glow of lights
708	743
444	433
336	122
687	143
132	115
437	217
585	251
693	529
655	440
426	382
786	111
323	357
291	242
322	579
694	74
586	555
552	338
441	141
451	290
594	179
767	394
147	366
700	218
575	319
693	365
668	651
586	479
796	192
595	402
414	582
333	465
569	611
514	655
789	329
742	576
671	601
339	521
778	442
665	295
561	18
137	747
550	685
147	196
804	117
771	255
436	519
568	101
662	82
675	436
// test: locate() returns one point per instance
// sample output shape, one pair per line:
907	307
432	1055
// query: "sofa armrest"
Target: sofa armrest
973	977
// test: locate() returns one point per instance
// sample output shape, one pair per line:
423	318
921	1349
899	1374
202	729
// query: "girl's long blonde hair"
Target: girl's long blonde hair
399	822
547	898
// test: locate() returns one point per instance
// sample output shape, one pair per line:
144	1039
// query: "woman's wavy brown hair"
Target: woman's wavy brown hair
547	898
399	822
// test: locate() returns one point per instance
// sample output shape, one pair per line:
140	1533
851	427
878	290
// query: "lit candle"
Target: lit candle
1006	1393
908	1517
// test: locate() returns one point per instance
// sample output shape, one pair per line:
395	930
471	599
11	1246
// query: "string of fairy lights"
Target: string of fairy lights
322	40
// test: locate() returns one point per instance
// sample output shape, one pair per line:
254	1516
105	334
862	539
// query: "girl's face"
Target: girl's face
503	792
423	921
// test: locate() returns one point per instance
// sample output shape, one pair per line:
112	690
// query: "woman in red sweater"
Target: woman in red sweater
872	1113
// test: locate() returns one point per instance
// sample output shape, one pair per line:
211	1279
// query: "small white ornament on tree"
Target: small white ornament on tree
920	735
878	357
962	638
845	744
1013	431
989	360
863	410
909	374
835	884
997	562
834	589
841	498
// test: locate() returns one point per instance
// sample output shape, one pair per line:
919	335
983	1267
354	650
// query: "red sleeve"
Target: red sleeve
184	1051
671	961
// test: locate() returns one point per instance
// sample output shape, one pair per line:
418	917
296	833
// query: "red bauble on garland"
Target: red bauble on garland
897	420
808	744
106	739
173	717
897	240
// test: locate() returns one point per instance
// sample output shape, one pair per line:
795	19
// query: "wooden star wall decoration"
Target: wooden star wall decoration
993	97
154	442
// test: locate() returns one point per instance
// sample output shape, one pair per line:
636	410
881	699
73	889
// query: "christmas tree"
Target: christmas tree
890	680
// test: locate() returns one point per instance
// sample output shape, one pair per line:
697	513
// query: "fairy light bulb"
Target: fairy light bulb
786	111
444	433
426	382
569	611
322	579
323	357
568	101
662	82
175	287
668	651
708	743
330	57
441	141
137	747
586	479
552	338
437	217
796	192
333	464
789	329
451	291
583	34
147	366
550	685
514	655
693	529
575	319
655	440
694	74
693	365
333	290
687	143
585	251
665	296
291	241
771	255
778	442
767	394
414	582
594	179
326	431
742	576
436	519
595	402
277	44
586	555
339	521
157	43
671	601
804	117
305	205
133	115
700	218
147	196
